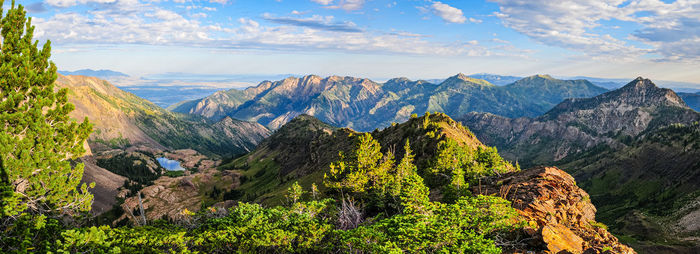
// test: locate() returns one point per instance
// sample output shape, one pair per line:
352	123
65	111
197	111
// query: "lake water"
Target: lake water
169	164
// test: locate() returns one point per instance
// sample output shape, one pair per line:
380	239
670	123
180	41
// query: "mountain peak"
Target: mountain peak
645	92
641	83
640	93
461	77
540	76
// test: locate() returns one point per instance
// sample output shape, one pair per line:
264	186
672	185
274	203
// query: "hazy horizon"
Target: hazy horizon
375	39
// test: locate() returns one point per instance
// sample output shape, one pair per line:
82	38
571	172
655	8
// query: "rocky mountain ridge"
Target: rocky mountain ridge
364	105
578	124
633	149
559	215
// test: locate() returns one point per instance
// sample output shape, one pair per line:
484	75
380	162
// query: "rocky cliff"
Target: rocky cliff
560	216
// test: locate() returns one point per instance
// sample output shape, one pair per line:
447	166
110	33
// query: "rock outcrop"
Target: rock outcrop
559	214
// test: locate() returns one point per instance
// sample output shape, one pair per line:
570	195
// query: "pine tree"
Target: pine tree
37	138
413	192
294	192
353	174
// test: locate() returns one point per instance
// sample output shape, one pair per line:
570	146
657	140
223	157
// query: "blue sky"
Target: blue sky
375	38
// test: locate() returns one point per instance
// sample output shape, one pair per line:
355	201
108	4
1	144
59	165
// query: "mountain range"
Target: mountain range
634	149
364	105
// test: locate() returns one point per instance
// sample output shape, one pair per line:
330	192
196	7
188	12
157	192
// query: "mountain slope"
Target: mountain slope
121	119
364	105
576	125
635	150
303	149
648	190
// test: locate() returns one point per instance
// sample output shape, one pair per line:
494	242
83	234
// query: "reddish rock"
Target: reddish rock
560	215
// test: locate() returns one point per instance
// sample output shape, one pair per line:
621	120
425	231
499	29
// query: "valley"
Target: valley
348	126
585	137
633	149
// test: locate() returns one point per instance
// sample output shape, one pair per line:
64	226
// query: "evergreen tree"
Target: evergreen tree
37	138
412	191
294	192
353	174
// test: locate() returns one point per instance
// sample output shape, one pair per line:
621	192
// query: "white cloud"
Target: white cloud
150	25
669	30
199	15
322	2
142	25
252	34
218	1
348	5
68	3
448	13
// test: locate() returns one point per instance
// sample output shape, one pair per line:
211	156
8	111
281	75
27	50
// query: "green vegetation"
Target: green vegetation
114	143
639	204
37	140
132	166
367	201
372	205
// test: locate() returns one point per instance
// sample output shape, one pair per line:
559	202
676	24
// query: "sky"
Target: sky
375	38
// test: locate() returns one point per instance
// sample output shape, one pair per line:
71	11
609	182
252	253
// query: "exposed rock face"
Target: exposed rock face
364	105
628	110
560	215
241	133
576	125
